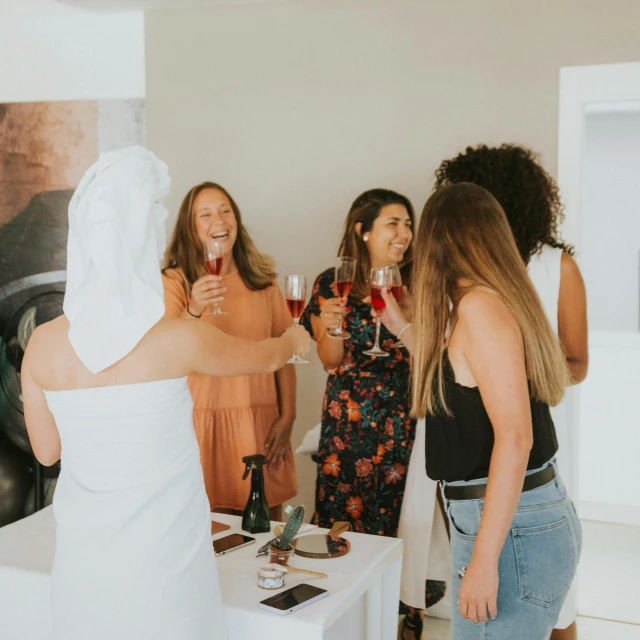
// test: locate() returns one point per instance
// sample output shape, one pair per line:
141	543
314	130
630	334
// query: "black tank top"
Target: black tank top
459	447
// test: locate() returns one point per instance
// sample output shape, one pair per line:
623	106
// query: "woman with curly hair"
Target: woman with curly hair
531	201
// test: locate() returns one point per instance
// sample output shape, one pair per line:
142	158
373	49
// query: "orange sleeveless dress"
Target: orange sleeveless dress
232	416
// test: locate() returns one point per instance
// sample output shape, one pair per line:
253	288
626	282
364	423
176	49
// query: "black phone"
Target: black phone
293	599
231	542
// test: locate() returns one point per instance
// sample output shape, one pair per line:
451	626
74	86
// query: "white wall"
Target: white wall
50	51
298	107
610	251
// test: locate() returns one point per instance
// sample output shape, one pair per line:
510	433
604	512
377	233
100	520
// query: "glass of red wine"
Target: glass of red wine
379	279
345	273
213	257
295	291
396	288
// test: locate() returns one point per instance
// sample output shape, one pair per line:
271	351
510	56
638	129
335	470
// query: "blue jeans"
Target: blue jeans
536	567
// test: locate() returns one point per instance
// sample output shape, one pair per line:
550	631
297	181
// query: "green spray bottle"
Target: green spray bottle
255	518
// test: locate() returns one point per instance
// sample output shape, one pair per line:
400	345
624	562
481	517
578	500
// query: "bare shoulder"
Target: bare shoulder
482	313
569	270
51	335
48	343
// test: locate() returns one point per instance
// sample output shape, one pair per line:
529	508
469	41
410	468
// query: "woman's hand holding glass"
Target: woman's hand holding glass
299	338
205	292
345	272
392	316
331	313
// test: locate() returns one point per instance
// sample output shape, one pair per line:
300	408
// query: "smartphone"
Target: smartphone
231	542
293	599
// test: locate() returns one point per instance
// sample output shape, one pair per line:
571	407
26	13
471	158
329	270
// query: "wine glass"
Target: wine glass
213	258
295	291
379	278
396	289
345	273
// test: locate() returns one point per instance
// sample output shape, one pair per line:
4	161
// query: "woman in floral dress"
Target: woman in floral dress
367	432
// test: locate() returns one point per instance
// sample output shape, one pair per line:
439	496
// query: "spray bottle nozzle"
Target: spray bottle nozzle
256	461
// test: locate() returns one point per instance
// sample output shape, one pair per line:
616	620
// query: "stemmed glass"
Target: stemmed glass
396	288
213	258
295	287
379	278
345	273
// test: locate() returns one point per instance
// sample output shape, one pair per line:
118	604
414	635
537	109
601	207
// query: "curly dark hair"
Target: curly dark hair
527	193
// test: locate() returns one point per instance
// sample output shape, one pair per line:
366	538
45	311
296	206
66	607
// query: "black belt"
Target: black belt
477	491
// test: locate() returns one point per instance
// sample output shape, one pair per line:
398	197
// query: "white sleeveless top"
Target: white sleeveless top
133	557
544	271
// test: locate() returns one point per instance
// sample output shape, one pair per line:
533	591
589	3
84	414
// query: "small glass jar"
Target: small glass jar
277	556
270	578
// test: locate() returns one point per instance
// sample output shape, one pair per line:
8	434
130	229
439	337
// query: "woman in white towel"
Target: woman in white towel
105	388
531	201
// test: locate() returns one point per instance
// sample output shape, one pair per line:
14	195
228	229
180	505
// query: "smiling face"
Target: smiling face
390	235
214	218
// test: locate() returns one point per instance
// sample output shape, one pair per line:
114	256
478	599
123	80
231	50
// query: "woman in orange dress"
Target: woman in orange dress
240	416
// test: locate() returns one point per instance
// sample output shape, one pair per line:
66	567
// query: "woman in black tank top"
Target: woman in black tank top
486	367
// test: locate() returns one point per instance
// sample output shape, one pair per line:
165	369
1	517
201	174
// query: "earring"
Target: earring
365	237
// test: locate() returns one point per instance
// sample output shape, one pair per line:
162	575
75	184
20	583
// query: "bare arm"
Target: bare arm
286	386
491	343
278	442
206	349
41	426
572	319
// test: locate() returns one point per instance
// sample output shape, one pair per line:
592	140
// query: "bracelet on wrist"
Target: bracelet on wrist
193	315
406	326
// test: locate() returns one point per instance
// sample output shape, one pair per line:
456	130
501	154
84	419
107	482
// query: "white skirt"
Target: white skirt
422	527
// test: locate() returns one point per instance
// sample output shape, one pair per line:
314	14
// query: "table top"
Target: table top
349	576
28	546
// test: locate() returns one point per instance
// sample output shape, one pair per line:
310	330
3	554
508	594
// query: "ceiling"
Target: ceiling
147	5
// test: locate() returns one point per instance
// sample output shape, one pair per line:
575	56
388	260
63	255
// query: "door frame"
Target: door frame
582	90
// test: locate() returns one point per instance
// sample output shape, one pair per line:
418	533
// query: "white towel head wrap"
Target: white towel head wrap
116	240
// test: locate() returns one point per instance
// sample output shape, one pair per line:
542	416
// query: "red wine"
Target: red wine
344	288
295	307
398	293
214	266
377	301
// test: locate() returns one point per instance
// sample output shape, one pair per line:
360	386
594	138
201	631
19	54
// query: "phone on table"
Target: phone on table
231	542
293	599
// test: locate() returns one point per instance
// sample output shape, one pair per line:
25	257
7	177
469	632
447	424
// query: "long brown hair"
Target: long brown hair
365	209
464	233
185	250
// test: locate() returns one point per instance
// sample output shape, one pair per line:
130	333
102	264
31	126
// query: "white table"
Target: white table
364	587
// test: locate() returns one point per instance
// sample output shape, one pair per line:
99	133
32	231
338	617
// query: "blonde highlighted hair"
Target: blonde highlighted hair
185	250
464	234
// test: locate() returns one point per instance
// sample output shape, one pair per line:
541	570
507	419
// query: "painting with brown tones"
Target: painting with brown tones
45	148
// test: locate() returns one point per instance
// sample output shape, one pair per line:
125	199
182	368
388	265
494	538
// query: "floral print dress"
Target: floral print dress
367	432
